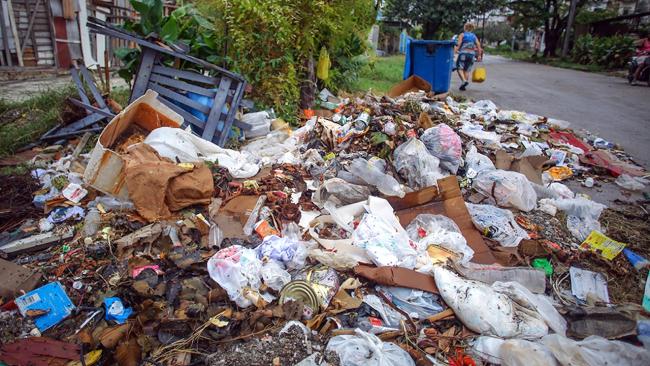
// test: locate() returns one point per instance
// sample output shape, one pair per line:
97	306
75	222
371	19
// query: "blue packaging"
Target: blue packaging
115	310
51	298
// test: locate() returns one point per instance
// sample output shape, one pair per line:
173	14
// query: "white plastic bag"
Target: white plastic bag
340	192
274	275
497	223
509	189
519	352
441	231
442	142
476	132
384	244
414	163
366	349
539	303
369	173
482	110
175	143
477	162
487	348
582	215
235	269
485	311
260	121
595	351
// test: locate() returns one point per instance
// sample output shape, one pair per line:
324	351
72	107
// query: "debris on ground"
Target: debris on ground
404	230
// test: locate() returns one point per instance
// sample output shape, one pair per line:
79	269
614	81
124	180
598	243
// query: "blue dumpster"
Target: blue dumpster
432	61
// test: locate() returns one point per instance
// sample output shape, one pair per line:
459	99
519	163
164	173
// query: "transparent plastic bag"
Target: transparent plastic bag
235	269
477	162
519	352
340	192
366	349
582	215
595	350
509	189
414	163
497	223
631	183
442	142
274	275
369	173
427	229
417	303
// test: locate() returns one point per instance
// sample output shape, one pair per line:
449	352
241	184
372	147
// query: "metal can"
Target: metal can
314	287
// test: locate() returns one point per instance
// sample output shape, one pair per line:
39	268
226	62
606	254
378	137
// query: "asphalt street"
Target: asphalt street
605	105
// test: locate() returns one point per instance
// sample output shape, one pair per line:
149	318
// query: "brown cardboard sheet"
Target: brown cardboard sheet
16	279
530	166
412	84
397	276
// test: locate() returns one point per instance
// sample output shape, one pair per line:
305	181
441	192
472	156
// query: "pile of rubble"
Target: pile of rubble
410	229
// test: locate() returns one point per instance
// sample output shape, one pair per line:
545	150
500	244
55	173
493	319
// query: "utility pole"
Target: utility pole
569	26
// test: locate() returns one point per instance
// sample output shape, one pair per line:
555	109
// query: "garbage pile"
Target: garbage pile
410	229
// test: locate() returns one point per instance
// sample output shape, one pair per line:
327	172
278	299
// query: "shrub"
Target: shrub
609	52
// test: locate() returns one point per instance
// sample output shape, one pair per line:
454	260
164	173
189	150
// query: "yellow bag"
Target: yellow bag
323	67
479	75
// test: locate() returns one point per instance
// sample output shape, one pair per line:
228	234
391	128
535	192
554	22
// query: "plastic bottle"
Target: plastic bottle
91	223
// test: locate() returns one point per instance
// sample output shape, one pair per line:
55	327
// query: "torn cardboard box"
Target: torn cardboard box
105	169
530	166
397	276
413	84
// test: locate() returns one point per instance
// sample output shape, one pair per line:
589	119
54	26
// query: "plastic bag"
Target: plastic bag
290	252
384	244
391	317
539	303
484	110
595	350
479	75
369	173
486	311
236	268
487	348
340	192
531	278
509	189
519	352
324	63
442	142
582	215
274	275
477	162
260	121
476	132
175	143
497	223
417	304
427	229
414	163
631	183
366	349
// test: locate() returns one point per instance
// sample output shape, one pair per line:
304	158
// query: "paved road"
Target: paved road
605	105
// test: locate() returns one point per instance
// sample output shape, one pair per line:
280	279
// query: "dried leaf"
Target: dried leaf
110	337
444	342
128	353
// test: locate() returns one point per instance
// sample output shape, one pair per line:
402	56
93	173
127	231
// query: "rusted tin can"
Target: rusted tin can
314	287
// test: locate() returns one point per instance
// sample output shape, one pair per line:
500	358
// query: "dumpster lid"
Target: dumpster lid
424	41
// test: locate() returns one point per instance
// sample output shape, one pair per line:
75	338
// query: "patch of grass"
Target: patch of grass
380	74
527	56
39	114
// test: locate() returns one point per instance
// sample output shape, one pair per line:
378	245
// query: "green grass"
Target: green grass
380	74
527	56
37	115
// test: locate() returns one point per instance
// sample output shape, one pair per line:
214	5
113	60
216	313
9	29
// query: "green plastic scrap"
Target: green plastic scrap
543	264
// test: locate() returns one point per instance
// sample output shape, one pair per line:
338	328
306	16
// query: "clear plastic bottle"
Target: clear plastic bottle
91	223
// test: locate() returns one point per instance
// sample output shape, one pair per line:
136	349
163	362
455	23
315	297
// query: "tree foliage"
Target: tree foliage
497	33
610	52
551	14
438	18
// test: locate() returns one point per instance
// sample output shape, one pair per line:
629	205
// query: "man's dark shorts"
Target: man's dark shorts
464	61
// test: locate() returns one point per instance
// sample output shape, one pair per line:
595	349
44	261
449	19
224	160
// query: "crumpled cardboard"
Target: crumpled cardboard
530	166
446	200
232	216
157	186
105	169
397	276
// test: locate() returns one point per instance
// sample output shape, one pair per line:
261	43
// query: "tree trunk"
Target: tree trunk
429	30
551	39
